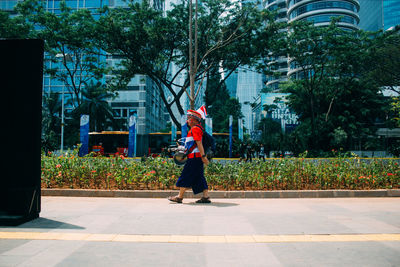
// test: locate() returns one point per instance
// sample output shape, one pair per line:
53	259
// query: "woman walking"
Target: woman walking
192	175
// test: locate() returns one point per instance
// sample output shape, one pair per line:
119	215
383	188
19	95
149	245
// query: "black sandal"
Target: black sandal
204	200
175	199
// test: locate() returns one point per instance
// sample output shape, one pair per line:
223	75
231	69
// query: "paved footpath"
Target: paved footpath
228	232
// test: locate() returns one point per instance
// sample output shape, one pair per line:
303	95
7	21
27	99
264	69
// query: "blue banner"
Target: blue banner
209	127
240	124
84	136
184	130
132	137
173	133
230	135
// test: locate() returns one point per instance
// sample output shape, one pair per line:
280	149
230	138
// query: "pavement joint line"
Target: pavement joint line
173	238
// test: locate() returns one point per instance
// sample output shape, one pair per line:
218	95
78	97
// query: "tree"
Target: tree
13	27
94	103
272	132
221	105
383	68
384	59
51	121
72	57
329	92
154	44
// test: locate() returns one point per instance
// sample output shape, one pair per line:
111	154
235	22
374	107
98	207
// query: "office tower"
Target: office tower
320	12
140	97
391	13
379	14
371	15
249	86
278	64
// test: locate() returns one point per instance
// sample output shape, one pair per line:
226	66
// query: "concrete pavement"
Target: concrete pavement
73	231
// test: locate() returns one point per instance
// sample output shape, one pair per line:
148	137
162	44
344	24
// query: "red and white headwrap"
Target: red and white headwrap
203	112
194	114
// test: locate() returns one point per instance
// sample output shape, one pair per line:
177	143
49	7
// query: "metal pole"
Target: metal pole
62	120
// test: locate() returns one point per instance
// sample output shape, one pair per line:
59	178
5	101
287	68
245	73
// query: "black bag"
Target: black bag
208	141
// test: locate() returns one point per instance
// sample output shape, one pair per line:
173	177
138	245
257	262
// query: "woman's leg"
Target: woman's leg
181	192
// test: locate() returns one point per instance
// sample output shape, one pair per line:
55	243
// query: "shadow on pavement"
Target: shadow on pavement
48	224
213	204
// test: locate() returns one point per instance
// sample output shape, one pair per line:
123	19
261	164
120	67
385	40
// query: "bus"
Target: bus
153	144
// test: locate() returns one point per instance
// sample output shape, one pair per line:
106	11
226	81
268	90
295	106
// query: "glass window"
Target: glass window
117	112
322	5
124	113
327	18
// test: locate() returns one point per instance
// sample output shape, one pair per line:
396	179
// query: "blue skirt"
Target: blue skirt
193	176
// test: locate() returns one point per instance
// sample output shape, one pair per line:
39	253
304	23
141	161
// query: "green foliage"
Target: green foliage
51	122
154	44
69	44
271	134
331	92
221	106
70	171
13	27
94	104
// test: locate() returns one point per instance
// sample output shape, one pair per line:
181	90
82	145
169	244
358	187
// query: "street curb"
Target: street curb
222	194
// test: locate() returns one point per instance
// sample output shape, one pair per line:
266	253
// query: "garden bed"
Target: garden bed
118	173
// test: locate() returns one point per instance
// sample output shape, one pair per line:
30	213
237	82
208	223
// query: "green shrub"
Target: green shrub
70	171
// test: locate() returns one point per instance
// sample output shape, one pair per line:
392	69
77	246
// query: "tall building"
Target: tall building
249	86
391	13
379	14
371	15
140	97
249	83
277	64
320	12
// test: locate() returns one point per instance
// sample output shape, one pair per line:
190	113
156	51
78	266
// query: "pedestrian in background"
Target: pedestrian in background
249	152
261	154
242	152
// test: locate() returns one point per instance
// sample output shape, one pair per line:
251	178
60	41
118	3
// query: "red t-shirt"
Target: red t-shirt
195	134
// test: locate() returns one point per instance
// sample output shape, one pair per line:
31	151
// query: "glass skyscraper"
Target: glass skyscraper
379	14
321	11
391	13
277	64
371	15
140	97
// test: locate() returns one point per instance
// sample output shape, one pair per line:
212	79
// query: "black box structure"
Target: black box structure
21	83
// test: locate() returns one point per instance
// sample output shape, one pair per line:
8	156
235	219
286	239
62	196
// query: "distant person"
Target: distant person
249	152
261	154
242	152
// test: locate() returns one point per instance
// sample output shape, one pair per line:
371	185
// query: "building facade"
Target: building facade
391	13
249	86
277	64
140	98
371	15
320	12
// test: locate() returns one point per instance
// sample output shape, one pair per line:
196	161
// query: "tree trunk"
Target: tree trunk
192	54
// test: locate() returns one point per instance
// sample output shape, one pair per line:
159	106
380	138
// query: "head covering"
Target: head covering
194	114
203	112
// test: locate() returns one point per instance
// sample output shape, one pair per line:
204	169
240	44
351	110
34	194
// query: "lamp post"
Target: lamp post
62	120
